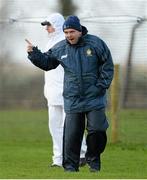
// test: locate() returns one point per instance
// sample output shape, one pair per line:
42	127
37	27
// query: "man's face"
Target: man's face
72	35
50	28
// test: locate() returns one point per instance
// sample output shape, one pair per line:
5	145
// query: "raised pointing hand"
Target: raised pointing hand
29	46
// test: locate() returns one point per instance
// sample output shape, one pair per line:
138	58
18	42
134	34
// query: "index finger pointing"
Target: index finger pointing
28	41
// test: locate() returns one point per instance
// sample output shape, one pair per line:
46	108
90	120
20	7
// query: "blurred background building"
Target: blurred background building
121	24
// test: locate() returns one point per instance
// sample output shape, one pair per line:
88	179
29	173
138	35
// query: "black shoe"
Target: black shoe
70	170
94	164
94	169
82	162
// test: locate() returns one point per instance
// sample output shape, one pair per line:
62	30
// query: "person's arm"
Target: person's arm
45	61
106	69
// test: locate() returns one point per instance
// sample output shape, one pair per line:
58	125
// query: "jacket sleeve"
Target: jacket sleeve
106	68
45	61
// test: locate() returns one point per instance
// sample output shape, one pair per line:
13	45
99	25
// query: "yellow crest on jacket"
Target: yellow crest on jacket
89	52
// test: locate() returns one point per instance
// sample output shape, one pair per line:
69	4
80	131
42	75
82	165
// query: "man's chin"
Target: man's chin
72	42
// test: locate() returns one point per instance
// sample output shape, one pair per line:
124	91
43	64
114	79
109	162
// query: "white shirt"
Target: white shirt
53	87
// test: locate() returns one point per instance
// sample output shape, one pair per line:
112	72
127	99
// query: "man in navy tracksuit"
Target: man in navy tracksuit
88	72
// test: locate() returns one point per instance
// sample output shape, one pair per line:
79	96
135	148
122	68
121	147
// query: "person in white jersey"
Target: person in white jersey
53	89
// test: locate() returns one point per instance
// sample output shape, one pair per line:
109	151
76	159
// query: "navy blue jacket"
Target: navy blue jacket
88	71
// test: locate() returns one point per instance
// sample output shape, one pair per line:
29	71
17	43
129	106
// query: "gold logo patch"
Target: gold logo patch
89	52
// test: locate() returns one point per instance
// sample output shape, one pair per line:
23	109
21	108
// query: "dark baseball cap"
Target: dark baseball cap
44	23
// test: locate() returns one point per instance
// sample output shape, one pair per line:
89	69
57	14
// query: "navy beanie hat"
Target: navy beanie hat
72	22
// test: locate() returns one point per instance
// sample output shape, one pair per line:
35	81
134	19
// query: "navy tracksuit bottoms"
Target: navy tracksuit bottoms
96	124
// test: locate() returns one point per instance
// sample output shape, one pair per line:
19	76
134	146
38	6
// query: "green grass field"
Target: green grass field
26	148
